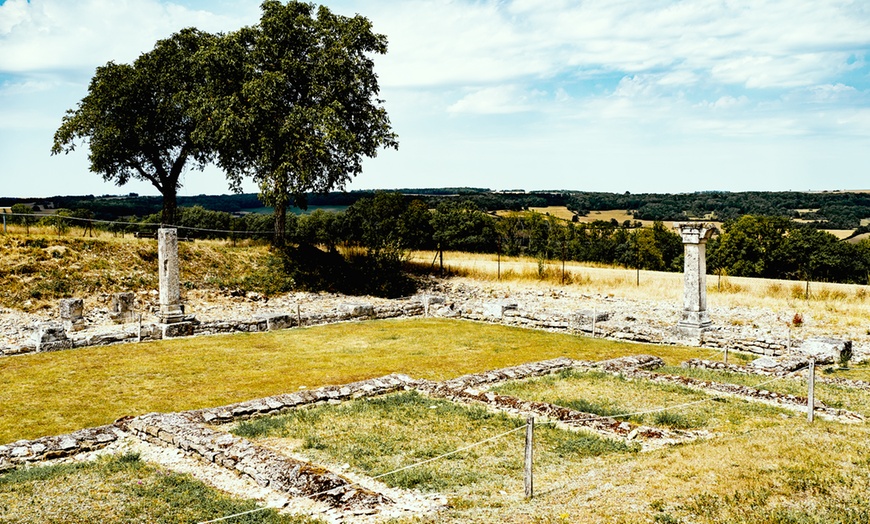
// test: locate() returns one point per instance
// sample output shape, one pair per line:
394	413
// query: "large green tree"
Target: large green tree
139	120
298	110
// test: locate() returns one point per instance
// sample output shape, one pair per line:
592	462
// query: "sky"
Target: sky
591	95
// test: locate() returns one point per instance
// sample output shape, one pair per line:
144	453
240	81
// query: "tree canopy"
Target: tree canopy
298	108
139	120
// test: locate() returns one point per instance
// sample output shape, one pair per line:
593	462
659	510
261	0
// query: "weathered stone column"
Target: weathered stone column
695	319
171	310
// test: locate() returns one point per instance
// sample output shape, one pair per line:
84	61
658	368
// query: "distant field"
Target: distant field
556	211
858	238
295	210
839	233
620	215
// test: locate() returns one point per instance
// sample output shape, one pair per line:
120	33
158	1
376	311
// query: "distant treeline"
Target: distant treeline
386	226
825	210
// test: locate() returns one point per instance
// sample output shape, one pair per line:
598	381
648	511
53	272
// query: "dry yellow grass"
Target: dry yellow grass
556	211
839	308
839	233
37	269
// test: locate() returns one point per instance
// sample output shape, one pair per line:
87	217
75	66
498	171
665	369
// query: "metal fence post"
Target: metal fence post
811	379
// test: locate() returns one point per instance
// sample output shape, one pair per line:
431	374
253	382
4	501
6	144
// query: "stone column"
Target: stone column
171	310
695	319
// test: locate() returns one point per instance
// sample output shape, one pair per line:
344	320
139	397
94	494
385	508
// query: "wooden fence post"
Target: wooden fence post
298	316
726	354
530	436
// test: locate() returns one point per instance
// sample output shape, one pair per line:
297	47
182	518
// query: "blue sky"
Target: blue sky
599	95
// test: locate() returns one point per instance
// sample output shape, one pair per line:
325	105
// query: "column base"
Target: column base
171	314
694	323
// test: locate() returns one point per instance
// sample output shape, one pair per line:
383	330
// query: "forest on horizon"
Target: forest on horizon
824	210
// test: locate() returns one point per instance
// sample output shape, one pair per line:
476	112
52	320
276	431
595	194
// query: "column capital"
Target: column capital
695	232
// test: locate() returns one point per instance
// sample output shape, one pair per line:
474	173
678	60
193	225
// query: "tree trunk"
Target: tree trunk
170	208
280	223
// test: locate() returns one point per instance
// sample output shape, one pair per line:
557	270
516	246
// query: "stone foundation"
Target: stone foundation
606	324
267	468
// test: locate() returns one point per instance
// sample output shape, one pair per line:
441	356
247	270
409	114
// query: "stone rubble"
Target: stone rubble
758	331
265	467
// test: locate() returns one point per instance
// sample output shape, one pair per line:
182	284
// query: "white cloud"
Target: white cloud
762	44
497	100
615	94
730	102
39	35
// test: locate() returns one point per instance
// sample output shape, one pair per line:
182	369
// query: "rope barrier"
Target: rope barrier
501	435
382	475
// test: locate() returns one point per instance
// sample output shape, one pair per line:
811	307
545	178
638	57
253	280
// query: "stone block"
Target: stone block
764	363
827	350
72	313
278	321
177	329
498	309
71	309
357	309
51	336
122	307
588	315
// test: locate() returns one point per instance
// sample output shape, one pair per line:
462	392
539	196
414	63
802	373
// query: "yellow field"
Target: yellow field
556	211
842	308
620	215
839	233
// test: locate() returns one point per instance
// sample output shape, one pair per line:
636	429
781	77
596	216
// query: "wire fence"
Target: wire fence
565	486
62	223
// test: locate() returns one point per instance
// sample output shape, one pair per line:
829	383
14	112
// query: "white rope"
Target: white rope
495	437
356	483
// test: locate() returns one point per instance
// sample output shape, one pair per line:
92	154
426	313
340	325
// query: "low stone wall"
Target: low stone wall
288	401
793	402
532	369
618	323
51	336
734	368
464	389
46	448
760	346
265	467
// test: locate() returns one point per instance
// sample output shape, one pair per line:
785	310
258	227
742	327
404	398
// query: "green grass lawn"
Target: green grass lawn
116	490
764	464
384	434
54	393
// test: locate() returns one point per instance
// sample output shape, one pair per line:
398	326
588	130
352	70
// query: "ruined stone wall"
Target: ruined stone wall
51	336
615	320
